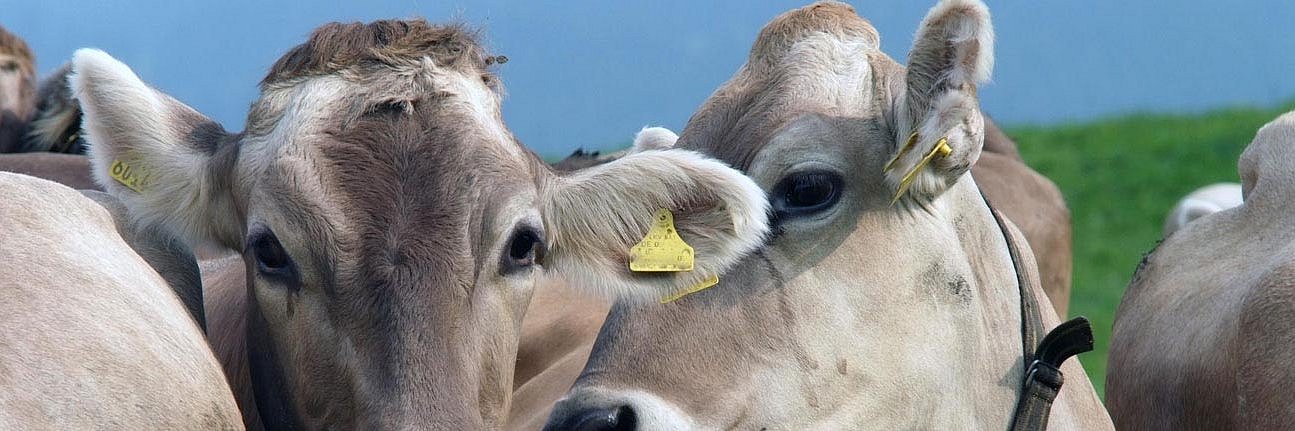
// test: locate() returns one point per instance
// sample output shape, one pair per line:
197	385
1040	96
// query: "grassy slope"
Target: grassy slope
1120	177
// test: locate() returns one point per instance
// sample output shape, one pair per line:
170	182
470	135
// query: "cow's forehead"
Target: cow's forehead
811	63
404	139
356	48
436	150
344	71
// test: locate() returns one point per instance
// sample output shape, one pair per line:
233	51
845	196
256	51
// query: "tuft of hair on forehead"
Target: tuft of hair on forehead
11	44
824	17
335	47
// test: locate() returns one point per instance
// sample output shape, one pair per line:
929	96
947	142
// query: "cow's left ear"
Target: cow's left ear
594	218
169	165
940	130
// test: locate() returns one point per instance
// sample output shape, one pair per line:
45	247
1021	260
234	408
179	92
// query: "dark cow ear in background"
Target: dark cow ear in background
940	130
56	124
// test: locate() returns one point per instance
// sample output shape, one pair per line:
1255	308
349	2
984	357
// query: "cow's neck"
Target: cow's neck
990	350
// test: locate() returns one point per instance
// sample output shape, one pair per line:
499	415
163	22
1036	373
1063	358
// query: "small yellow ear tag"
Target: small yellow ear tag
134	178
708	282
941	148
662	250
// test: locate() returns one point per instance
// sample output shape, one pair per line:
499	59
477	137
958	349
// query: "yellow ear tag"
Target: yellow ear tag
908	145
941	148
662	250
134	178
708	282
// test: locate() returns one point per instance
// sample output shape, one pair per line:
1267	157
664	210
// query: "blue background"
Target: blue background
587	73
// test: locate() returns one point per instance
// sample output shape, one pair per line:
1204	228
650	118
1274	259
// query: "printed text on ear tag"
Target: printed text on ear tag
708	282
132	177
662	250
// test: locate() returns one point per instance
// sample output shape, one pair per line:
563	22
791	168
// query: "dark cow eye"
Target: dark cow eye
9	66
806	193
271	260
526	248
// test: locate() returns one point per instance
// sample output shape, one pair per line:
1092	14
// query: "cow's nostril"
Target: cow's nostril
621	418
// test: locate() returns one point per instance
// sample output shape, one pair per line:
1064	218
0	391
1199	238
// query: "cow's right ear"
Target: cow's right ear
1264	165
161	158
594	218
940	130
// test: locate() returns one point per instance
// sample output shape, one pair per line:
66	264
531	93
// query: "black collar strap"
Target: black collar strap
1043	359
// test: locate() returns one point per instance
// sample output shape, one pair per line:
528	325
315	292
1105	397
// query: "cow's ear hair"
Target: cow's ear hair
653	138
940	130
594	217
167	163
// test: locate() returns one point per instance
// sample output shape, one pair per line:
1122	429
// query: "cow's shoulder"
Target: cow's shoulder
75	300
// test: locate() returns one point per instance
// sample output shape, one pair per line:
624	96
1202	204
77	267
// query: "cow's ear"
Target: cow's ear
940	130
166	162
596	216
653	138
1266	175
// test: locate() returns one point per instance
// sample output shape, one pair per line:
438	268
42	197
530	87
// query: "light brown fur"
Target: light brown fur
92	336
71	170
556	337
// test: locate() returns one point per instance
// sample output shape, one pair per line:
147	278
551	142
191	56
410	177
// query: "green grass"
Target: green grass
1120	177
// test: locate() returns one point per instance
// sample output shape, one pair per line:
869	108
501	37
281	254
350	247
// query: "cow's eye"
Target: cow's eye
525	249
272	261
806	193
